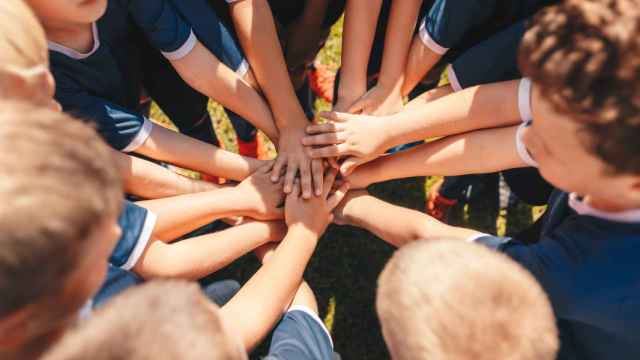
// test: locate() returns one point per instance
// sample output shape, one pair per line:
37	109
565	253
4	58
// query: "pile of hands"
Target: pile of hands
316	167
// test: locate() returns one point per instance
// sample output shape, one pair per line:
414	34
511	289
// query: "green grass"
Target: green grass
344	270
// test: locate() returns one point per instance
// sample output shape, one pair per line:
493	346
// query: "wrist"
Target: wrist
303	232
243	203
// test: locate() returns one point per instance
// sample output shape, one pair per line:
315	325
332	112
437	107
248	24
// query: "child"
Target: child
583	139
58	230
446	299
242	322
94	63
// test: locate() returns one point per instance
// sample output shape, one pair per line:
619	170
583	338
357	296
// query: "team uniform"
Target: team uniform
104	85
586	260
301	335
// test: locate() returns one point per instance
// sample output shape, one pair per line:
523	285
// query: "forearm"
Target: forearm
200	256
148	180
479	107
205	73
260	302
179	215
256	32
402	22
420	61
401	225
477	152
304	35
360	19
166	145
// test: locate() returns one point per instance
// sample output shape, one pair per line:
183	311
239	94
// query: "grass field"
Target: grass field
344	270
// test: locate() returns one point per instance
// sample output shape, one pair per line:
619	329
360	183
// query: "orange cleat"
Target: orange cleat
437	205
321	81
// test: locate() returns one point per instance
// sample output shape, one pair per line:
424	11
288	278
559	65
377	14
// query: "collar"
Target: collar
582	208
53	46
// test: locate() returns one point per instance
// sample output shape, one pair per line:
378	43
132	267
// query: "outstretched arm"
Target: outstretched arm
386	97
256	31
261	301
401	225
360	19
477	152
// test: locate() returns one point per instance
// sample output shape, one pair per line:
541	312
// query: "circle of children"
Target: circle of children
546	92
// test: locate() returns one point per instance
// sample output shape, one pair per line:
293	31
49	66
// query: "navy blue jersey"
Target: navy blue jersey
137	225
462	23
301	335
104	85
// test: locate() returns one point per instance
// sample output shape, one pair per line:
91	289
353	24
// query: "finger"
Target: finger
337	196
317	170
359	106
335	116
329	179
295	192
324	139
276	172
292	171
267	167
333	162
305	180
329	151
349	165
323	128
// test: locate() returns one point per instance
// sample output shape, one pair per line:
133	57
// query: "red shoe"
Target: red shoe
437	205
321	81
249	148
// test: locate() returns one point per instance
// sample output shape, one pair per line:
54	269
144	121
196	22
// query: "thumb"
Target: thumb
349	165
359	106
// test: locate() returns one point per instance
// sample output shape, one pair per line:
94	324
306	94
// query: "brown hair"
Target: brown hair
448	299
58	183
585	55
22	38
157	320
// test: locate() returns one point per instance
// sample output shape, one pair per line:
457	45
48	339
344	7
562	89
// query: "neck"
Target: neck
75	36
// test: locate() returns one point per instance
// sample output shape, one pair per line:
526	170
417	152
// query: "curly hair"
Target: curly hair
585	56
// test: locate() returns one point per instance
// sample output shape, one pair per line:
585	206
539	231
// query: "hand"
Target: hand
361	138
264	197
379	101
292	154
348	206
314	214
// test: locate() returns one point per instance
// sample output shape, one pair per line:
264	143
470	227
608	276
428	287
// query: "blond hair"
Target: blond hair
22	39
158	320
449	299
58	183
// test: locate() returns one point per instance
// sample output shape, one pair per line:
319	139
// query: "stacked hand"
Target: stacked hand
359	138
264	197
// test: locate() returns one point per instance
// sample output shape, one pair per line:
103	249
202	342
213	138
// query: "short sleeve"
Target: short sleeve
137	224
448	21
122	129
301	335
166	30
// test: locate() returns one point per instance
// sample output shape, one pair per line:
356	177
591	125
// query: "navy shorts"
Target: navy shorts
301	335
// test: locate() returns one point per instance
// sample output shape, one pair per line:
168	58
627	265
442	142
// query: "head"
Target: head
24	60
157	320
60	195
584	59
454	300
65	13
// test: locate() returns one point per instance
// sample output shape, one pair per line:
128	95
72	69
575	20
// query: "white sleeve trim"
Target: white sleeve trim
522	149
243	68
141	136
184	50
428	41
232	1
314	316
453	78
473	238
143	240
86	310
524	100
